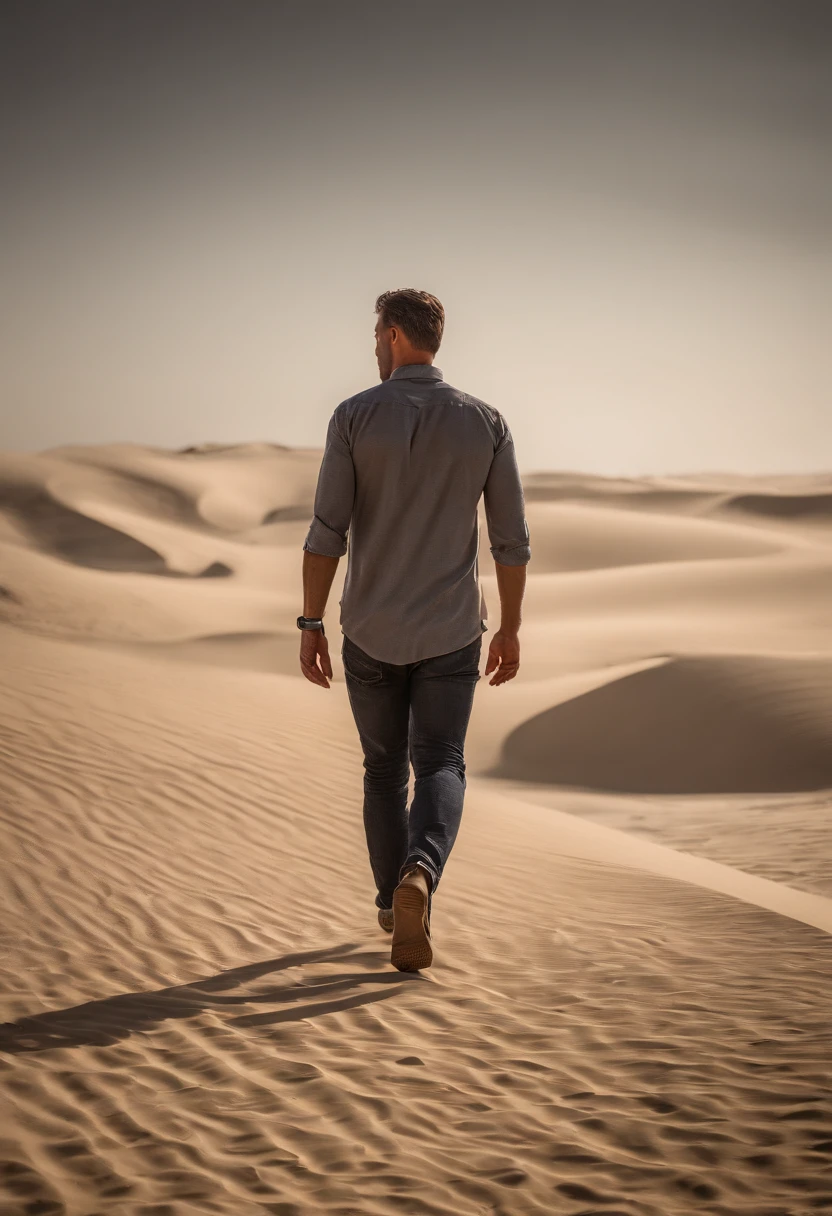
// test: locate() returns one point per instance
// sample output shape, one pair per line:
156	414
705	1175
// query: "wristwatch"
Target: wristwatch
311	622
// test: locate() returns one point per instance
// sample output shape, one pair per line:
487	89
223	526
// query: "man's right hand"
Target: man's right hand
503	656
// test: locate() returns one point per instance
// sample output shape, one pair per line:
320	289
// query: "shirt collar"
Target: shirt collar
417	371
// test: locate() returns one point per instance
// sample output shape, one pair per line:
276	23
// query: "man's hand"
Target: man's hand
314	648
505	651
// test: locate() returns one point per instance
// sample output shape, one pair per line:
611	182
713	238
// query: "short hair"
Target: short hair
419	316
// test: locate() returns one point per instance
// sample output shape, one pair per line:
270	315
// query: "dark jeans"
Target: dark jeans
419	713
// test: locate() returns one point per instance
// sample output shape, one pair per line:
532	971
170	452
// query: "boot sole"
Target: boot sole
411	949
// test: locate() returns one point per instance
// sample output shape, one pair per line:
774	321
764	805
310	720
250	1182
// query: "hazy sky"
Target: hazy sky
624	207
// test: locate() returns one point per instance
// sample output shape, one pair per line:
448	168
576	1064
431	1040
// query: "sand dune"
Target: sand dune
628	1012
43	521
581	537
792	499
111	516
226	488
700	724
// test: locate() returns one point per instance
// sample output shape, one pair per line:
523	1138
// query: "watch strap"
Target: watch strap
311	622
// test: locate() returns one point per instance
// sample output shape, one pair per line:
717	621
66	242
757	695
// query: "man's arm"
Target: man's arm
318	577
508	534
325	544
505	509
334	496
511	585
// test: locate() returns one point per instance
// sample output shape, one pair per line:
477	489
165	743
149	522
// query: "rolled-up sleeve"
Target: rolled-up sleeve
334	496
505	509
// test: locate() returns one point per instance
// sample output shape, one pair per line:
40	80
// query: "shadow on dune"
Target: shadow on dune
84	541
115	1018
216	449
298	513
636	495
783	506
709	724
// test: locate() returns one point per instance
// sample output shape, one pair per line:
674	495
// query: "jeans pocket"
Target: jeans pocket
358	665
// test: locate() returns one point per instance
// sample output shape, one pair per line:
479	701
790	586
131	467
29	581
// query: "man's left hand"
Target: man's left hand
314	657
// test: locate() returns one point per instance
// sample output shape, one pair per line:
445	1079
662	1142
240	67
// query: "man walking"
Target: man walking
404	467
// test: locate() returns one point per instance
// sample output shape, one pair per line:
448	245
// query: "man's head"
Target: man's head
409	329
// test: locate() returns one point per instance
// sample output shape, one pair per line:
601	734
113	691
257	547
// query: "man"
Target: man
404	467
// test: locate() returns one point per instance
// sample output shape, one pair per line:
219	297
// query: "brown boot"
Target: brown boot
411	949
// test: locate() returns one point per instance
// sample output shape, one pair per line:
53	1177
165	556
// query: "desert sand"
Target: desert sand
629	1011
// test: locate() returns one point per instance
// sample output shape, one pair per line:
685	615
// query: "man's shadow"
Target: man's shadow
101	1023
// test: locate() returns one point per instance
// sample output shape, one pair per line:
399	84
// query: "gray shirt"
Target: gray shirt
405	465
